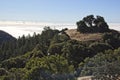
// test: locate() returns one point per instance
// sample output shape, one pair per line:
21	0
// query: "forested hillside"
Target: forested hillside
54	55
5	37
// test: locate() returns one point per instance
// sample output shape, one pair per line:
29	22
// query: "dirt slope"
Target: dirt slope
74	34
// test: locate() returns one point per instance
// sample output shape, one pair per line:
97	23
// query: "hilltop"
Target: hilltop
90	28
75	35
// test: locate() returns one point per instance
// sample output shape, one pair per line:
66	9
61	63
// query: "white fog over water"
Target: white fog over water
19	28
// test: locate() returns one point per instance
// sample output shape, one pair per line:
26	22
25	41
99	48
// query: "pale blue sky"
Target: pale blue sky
58	10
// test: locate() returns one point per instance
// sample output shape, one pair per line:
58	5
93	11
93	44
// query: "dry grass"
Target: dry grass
74	34
85	78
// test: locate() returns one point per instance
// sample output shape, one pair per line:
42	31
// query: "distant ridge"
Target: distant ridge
4	36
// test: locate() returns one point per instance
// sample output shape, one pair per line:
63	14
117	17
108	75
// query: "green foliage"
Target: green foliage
90	24
25	44
75	52
18	73
110	71
61	37
99	47
18	62
36	52
102	27
13	74
37	73
82	27
112	38
53	63
47	34
103	65
3	72
55	48
57	43
44	68
89	20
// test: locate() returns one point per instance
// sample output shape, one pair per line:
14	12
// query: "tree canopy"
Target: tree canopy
90	24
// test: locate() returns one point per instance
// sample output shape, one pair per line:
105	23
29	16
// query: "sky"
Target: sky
58	11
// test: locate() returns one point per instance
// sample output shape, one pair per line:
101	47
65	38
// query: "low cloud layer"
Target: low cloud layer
17	29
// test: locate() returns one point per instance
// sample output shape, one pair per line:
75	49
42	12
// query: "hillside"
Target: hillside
4	36
28	57
59	55
74	34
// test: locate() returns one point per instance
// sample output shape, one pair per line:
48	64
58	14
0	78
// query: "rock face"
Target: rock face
4	36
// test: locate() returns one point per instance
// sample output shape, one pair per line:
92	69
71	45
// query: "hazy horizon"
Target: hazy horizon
19	28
